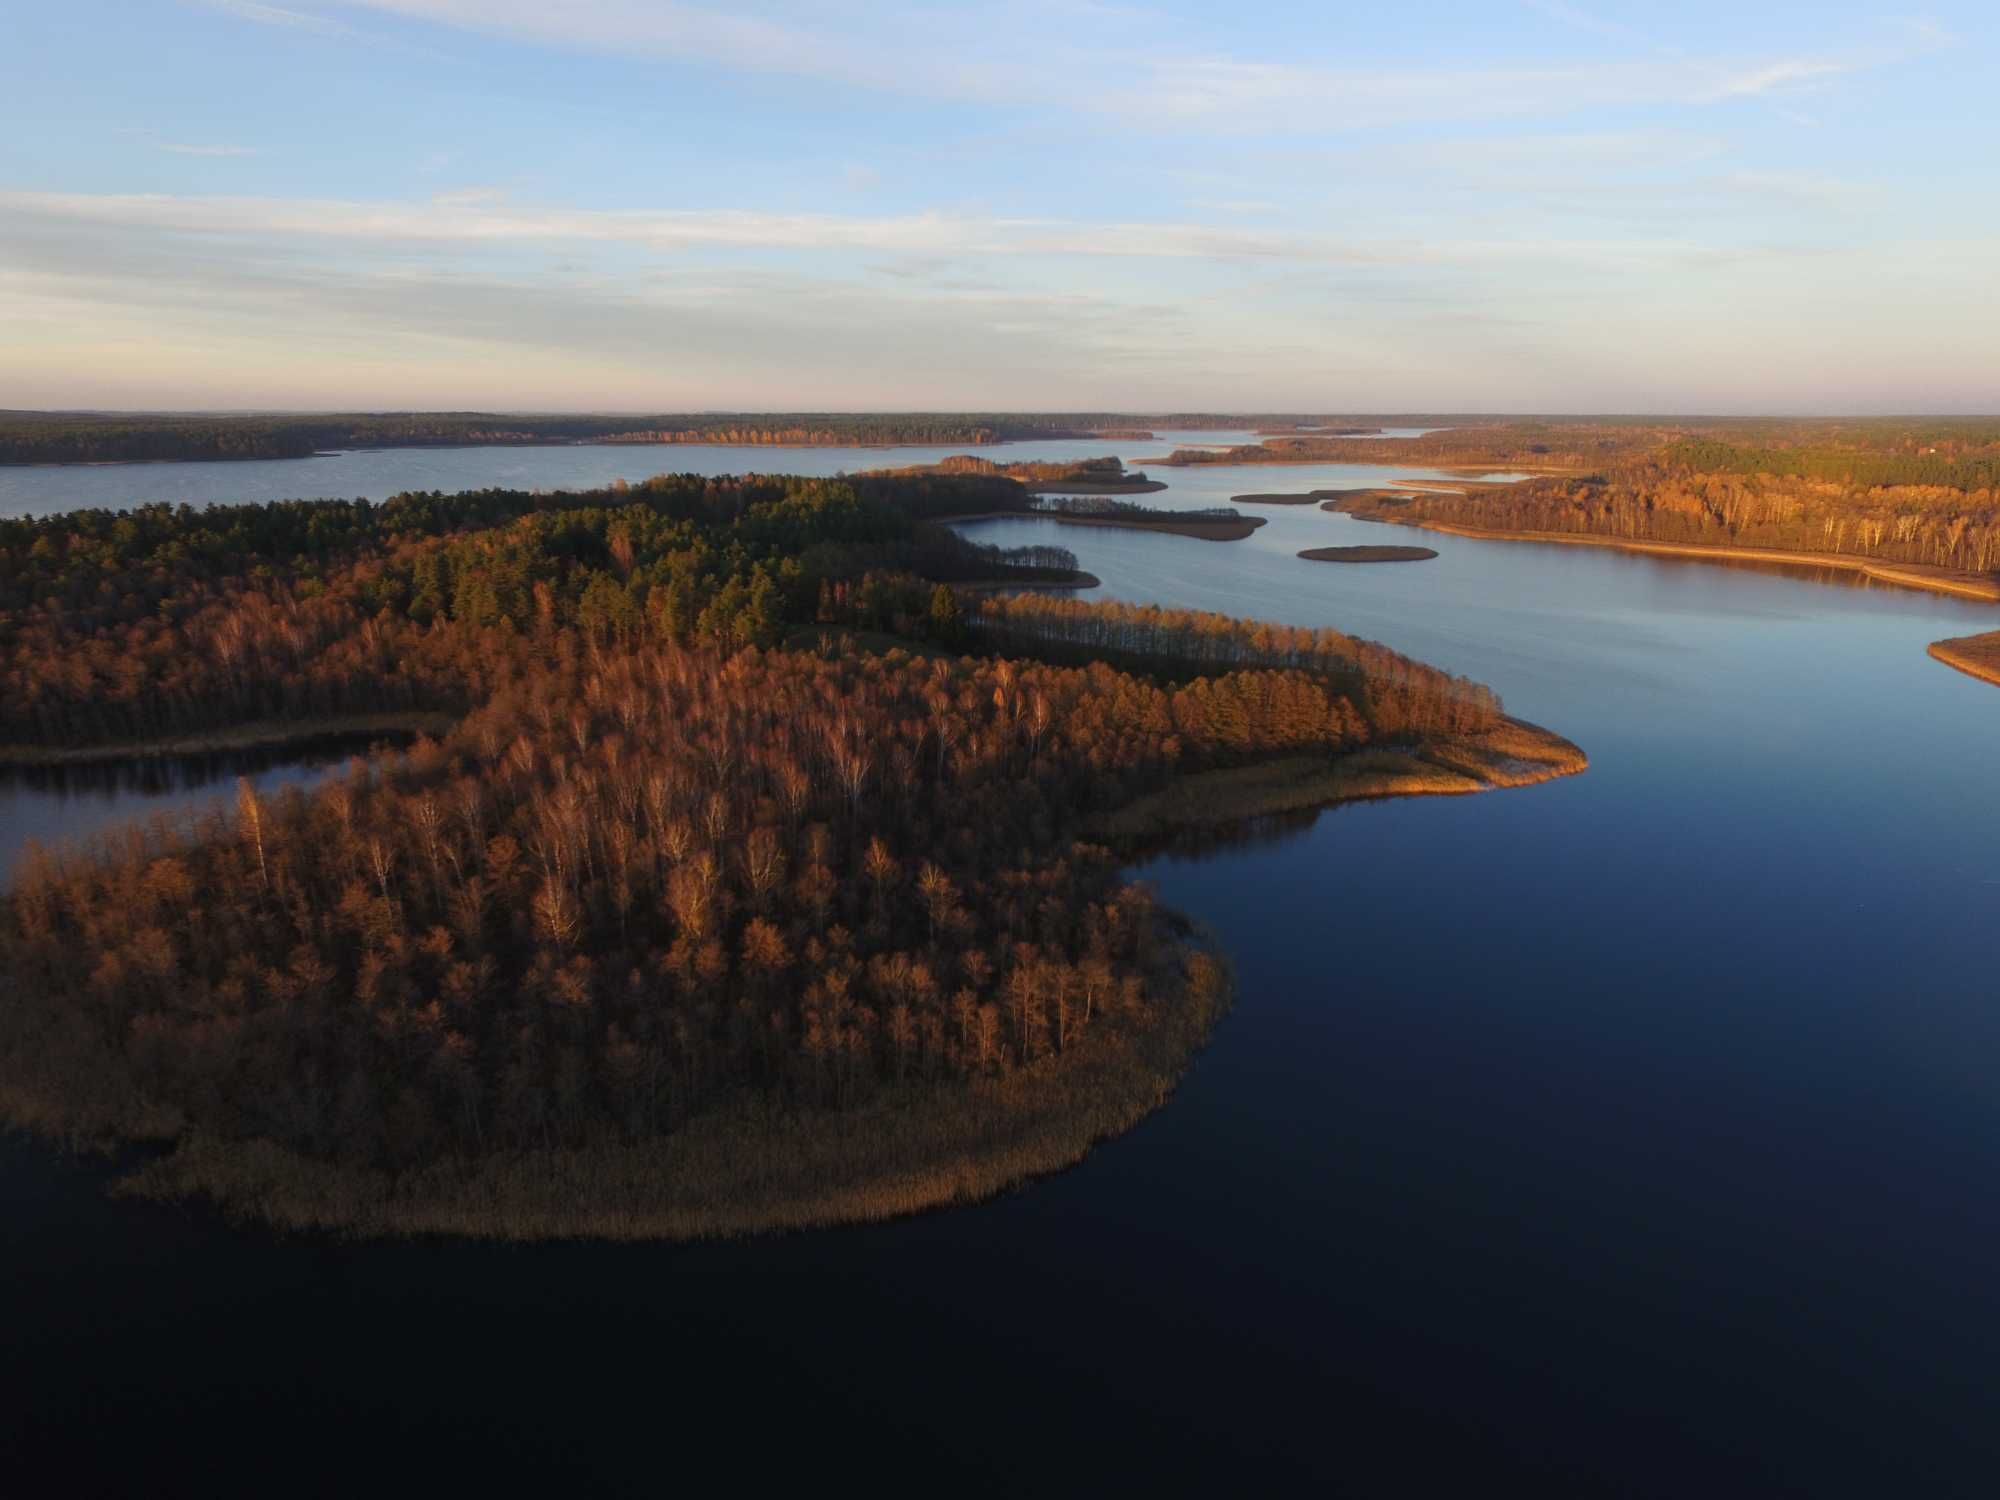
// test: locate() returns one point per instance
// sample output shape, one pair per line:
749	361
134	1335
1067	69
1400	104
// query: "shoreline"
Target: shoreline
996	1136
902	1155
1516	754
264	734
1974	655
1470	471
1920	576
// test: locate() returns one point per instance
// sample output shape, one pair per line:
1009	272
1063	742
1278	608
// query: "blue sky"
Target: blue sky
622	204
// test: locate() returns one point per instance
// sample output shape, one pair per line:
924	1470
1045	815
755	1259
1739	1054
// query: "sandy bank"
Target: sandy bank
1975	655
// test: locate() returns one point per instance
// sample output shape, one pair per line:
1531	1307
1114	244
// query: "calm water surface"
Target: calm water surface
377	473
1633	1134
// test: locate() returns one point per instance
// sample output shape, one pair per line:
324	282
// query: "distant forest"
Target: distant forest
28	437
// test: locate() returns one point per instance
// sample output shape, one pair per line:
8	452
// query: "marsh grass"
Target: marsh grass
733	1174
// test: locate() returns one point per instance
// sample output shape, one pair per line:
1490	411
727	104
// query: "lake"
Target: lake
1633	1133
377	473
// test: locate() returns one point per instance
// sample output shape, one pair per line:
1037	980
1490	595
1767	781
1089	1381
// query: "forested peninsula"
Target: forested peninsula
659	928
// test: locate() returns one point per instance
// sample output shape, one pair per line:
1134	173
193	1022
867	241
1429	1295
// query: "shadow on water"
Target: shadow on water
77	804
164	775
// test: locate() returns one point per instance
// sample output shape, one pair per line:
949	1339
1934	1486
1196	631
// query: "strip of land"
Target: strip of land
1368	554
265	734
1303	499
1975	655
1516	754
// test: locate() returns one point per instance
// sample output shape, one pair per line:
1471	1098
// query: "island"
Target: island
740	866
1367	554
1218	523
1299	499
1081	476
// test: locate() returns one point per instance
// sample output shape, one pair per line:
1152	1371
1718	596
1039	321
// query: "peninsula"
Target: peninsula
1976	655
662	928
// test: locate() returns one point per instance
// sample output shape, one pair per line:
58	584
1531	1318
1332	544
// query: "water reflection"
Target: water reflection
74	805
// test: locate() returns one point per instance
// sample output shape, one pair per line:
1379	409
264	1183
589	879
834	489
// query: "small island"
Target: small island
1208	524
1366	554
1300	499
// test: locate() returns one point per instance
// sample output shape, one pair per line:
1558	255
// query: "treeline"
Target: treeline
54	437
161	622
1394	696
1937	526
30	437
1859	468
1109	505
633	888
1499	445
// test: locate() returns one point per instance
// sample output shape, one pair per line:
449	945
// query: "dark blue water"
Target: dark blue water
1631	1134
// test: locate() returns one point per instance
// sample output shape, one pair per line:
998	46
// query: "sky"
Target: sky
825	204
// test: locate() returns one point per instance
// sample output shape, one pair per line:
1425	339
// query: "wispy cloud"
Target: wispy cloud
186	148
1099	61
453	219
1773	77
278	15
1582	20
1814	189
469	197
